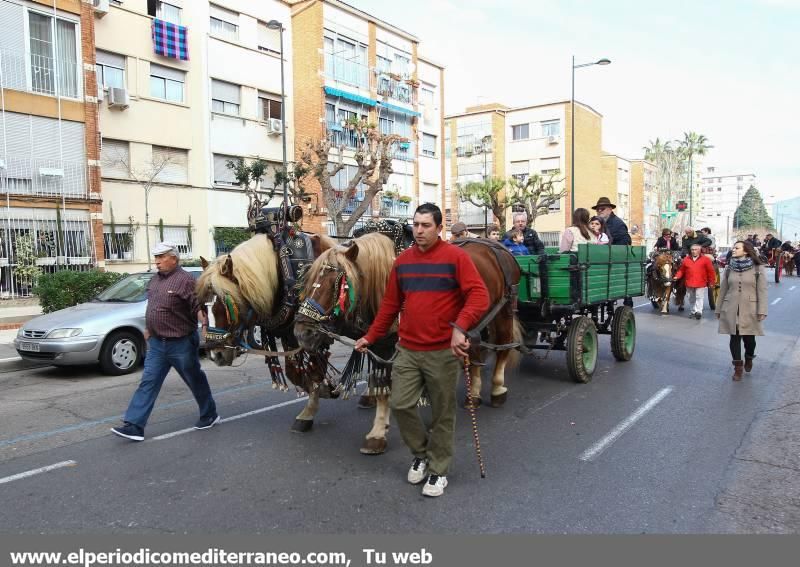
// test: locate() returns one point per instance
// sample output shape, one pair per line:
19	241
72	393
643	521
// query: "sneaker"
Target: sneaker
698	315
129	431
418	471
207	422
435	486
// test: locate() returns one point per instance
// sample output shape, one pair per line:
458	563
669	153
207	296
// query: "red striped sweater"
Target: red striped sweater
429	290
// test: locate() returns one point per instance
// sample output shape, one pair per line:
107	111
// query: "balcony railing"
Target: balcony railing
399	90
39	74
42	177
339	136
406	151
395	209
471	215
346	71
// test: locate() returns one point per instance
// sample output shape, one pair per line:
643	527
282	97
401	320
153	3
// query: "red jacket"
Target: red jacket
699	273
430	290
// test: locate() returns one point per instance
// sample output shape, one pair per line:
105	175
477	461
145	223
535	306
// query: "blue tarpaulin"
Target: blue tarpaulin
350	96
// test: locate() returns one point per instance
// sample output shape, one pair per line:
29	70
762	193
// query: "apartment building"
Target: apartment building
616	183
645	217
173	116
350	65
721	194
496	140
48	143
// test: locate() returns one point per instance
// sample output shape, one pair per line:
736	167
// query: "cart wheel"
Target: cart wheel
778	268
581	349
623	333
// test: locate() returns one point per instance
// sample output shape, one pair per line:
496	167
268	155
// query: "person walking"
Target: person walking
437	290
530	236
699	273
173	312
742	305
578	233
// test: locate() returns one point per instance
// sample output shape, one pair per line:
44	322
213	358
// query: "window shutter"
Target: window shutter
111	154
176	171
271	39
519	168
222	174
227	92
550	163
113	59
224	15
167	72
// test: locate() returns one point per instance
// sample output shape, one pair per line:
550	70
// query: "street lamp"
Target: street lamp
603	61
276	25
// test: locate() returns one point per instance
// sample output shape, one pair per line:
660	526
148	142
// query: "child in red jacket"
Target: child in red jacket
699	275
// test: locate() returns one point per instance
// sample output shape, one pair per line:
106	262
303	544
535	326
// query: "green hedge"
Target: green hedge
66	288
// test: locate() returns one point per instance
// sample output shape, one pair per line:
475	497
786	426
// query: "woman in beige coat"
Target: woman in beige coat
742	305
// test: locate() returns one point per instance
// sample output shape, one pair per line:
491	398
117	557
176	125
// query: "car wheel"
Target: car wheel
121	353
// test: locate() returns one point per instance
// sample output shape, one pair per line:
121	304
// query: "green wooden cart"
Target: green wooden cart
566	299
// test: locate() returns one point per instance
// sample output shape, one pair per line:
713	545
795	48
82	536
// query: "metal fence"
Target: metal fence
39	177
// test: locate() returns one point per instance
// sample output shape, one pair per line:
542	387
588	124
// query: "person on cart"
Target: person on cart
699	274
530	236
770	248
692	237
666	241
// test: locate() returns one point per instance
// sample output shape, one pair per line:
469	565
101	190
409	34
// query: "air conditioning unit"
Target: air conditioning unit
275	126
101	7
118	98
51	172
552	139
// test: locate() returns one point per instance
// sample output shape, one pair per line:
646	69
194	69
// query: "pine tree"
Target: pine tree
751	212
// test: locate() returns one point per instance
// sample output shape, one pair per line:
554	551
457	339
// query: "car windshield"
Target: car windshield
128	290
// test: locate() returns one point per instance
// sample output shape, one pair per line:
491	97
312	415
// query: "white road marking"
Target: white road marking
592	452
776	301
642	305
234	417
41	470
792	288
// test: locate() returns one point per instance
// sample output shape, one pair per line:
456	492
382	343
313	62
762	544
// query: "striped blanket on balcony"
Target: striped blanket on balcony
170	40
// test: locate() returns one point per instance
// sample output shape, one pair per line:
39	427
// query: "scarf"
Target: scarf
741	264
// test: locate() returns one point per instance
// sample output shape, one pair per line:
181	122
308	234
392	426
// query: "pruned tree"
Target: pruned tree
147	176
536	194
489	193
373	154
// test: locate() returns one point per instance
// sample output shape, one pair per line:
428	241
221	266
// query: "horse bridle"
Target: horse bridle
342	293
221	338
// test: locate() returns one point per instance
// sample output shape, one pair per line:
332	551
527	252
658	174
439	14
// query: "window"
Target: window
346	60
385	126
223	175
110	70
269	40
225	97
520	170
551	128
426	97
429	145
166	83
520	132
402	63
224	23
384	65
550	166
115	158
269	106
53	54
164	11
173	164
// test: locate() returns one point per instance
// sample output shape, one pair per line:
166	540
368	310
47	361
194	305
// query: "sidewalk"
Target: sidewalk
12	315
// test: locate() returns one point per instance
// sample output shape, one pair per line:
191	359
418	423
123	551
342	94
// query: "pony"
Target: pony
659	281
243	289
789	263
342	294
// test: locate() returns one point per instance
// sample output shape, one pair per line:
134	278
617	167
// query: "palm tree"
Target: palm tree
693	144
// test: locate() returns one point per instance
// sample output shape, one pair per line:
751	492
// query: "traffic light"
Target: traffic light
681	205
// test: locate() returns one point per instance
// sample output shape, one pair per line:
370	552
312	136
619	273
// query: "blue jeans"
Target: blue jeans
163	354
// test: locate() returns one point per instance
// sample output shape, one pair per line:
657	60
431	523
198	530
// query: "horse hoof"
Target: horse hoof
367	402
302	425
472	402
499	401
373	447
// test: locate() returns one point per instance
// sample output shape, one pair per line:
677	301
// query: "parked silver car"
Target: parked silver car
108	330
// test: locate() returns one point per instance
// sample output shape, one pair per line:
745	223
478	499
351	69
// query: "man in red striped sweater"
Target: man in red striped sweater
431	285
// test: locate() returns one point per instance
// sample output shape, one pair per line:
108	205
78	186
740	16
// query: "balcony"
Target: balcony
346	71
471	215
341	136
392	208
43	177
39	74
406	151
397	89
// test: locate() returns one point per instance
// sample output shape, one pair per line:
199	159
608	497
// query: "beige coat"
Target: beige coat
742	297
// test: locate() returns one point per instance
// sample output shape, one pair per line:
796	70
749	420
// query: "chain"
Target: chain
473	417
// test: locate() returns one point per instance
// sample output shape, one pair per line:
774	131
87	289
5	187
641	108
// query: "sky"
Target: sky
729	70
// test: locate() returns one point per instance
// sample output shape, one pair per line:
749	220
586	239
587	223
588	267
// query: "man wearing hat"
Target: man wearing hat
173	311
615	226
459	230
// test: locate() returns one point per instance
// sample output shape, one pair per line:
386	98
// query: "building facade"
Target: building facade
351	66
721	194
645	218
50	216
170	125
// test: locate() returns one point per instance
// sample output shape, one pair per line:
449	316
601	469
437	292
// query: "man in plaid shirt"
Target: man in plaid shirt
172	342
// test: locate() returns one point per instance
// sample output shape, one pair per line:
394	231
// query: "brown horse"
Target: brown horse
244	288
659	281
364	267
788	263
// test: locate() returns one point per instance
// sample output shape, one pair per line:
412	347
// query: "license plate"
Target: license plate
30	347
